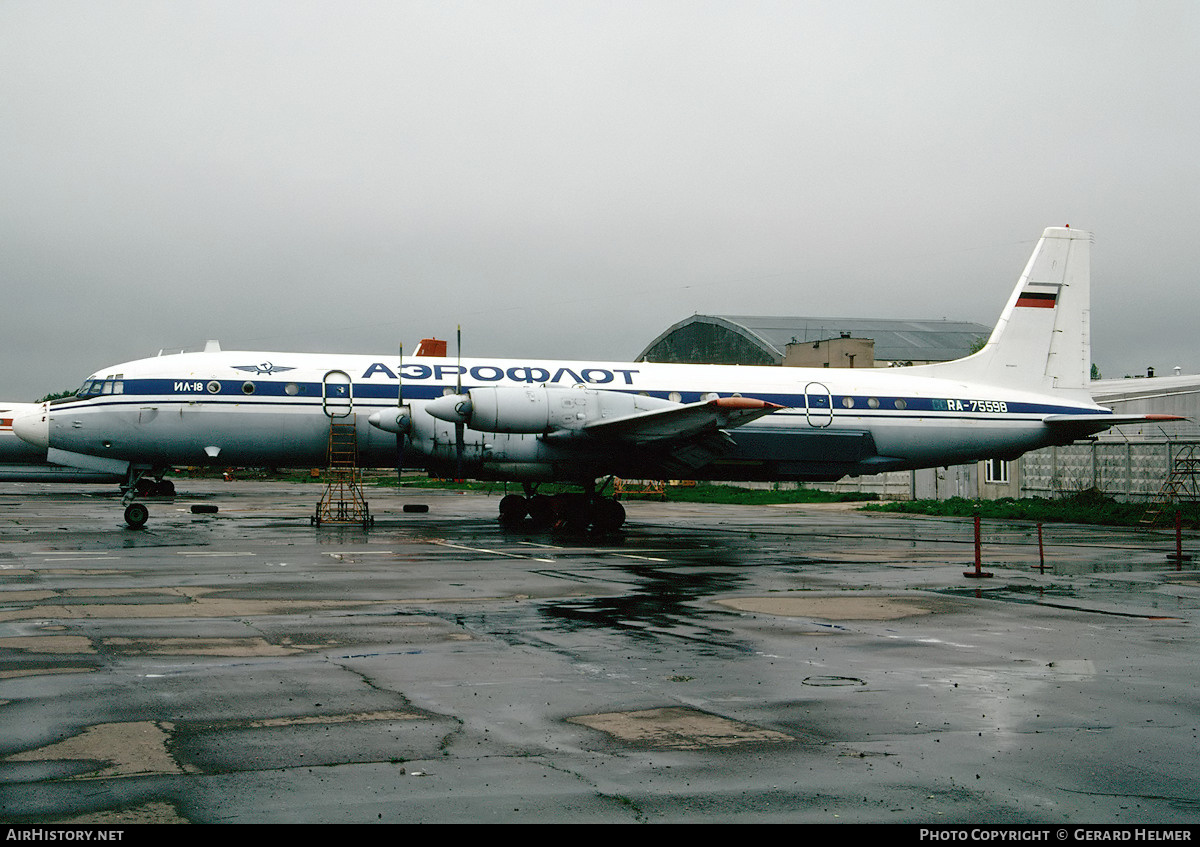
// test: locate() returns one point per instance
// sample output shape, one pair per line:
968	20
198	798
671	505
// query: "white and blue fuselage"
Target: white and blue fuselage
237	409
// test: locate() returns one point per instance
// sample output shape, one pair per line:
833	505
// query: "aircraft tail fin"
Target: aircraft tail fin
1042	340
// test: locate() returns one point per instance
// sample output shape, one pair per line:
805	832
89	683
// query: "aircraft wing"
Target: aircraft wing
682	422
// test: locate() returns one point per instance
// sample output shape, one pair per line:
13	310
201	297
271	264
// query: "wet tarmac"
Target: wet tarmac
709	663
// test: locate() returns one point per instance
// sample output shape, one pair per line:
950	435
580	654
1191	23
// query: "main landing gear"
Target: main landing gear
573	512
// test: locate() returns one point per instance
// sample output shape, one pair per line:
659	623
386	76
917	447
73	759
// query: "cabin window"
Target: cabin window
873	402
214	387
291	389
996	471
848	402
900	404
247	387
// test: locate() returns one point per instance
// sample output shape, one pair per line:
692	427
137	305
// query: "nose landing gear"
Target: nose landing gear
136	515
143	483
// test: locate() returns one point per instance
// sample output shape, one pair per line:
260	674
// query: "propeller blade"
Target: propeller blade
458	427
400	411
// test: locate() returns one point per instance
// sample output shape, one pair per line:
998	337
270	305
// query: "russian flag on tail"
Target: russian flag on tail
1039	296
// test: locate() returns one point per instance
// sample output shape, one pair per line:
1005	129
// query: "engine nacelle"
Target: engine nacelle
538	409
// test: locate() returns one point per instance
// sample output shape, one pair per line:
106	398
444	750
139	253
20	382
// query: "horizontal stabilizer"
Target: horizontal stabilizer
1070	427
1108	420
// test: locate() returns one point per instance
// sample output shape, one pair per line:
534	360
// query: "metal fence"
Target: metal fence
1130	471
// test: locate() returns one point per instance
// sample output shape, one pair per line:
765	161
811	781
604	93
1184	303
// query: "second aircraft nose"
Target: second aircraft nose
34	426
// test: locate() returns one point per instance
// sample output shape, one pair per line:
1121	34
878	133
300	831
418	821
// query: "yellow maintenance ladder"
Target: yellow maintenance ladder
343	501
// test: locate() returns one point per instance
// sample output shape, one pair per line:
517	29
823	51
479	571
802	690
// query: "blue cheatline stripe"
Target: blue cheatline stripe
274	394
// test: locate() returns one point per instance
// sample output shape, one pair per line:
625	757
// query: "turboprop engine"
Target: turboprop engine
538	409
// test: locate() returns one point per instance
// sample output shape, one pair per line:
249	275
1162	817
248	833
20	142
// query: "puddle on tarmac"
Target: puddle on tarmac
1133	601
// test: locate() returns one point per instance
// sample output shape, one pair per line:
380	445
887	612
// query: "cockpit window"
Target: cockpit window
92	387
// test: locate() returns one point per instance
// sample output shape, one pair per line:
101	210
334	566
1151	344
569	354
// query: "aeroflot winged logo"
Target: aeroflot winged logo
264	368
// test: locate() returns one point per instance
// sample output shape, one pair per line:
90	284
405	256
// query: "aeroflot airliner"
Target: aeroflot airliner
579	422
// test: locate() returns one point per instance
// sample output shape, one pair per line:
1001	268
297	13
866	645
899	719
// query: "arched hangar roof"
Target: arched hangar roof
762	340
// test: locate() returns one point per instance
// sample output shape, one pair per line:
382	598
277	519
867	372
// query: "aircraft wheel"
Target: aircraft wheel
573	512
136	515
513	508
607	514
541	510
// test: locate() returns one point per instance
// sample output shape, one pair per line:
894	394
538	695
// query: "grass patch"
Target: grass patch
389	480
735	495
698	493
1087	507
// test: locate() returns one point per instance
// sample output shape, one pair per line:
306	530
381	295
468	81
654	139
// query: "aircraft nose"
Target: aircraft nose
34	426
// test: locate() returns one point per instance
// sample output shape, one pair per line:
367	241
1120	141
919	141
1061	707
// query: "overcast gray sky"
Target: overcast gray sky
567	179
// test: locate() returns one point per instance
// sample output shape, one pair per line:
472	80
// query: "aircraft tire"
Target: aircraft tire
573	512
513	508
607	514
136	515
541	510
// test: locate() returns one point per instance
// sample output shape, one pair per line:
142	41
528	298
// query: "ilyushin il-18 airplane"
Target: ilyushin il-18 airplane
581	422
